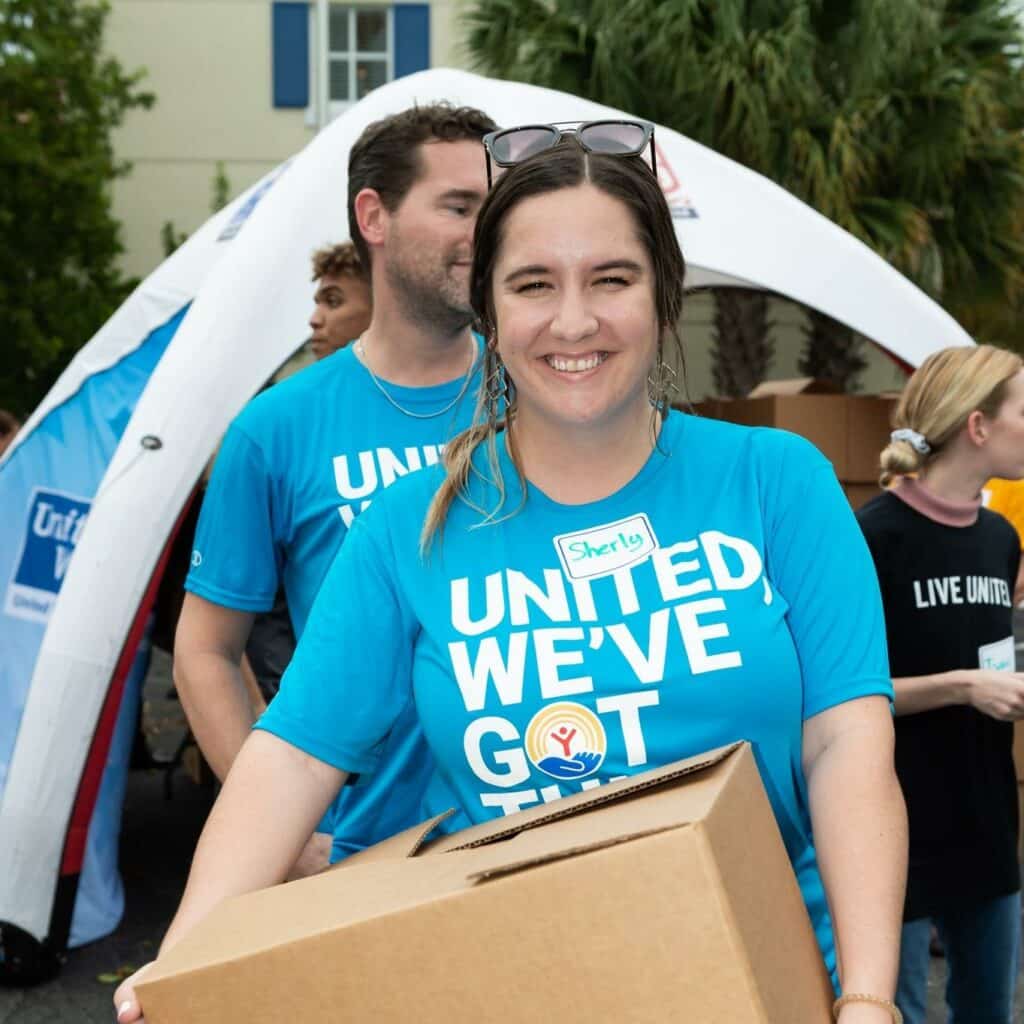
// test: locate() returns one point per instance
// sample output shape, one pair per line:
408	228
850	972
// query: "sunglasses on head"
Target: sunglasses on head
509	146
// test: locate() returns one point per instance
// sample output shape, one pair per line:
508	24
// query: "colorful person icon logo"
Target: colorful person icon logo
566	741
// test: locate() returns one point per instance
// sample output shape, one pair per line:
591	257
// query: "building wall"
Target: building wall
209	63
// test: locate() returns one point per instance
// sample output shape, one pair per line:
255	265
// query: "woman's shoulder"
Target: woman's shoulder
999	526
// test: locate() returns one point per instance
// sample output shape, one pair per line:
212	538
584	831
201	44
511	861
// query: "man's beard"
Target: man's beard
429	295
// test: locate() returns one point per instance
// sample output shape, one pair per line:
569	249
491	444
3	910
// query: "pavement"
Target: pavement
158	837
160	827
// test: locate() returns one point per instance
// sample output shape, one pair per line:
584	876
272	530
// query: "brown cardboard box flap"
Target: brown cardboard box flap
510	868
678	800
503	829
793	386
402	844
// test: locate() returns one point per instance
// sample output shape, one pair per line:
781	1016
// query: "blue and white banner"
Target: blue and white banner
52	526
69	689
47	486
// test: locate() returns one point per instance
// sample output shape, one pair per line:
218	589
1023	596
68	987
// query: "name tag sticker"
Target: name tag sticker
605	549
999	656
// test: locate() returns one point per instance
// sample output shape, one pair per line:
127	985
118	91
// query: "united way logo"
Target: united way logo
52	527
680	204
566	741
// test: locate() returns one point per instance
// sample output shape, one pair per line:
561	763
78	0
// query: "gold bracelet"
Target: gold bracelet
859	997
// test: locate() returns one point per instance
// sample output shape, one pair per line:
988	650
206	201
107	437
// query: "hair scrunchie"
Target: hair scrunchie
916	441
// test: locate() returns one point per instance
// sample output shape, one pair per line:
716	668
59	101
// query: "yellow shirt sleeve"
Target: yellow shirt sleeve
1007	498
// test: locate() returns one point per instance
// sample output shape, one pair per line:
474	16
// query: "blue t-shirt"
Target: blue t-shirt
295	468
724	593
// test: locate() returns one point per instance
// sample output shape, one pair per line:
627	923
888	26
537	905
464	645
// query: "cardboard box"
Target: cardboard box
868	425
709	408
849	430
793	386
665	896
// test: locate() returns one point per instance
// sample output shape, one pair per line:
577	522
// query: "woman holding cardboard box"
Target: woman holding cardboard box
593	584
947	569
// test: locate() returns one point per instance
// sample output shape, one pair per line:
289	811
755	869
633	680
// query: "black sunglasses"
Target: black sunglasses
510	146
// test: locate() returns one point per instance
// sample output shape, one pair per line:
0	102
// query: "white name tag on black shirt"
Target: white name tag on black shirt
999	656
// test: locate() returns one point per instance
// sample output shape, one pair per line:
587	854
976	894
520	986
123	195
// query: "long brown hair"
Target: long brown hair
630	181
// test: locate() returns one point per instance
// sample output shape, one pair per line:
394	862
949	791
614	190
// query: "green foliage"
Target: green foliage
171	238
901	120
743	351
831	352
220	192
60	98
220	189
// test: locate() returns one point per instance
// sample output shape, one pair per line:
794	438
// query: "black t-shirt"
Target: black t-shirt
947	593
271	645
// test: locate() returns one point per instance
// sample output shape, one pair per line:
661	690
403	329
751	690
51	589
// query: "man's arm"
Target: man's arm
208	648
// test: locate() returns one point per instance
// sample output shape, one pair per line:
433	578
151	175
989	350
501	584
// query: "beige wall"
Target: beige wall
209	64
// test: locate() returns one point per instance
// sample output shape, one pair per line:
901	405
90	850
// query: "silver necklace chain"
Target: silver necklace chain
360	350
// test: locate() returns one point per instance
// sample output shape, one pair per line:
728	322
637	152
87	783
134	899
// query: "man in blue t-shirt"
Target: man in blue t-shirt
307	456
342	308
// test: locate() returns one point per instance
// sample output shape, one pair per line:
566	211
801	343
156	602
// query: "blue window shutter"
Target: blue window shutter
412	38
290	27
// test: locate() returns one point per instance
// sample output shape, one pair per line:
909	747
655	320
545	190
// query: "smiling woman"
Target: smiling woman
582	331
577	257
593	585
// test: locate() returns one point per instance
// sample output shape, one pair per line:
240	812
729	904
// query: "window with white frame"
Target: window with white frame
360	52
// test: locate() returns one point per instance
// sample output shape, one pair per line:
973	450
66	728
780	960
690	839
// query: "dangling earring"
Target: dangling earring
661	384
496	385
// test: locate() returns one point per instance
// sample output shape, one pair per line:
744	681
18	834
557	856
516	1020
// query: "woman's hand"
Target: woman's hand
126	1002
273	797
997	694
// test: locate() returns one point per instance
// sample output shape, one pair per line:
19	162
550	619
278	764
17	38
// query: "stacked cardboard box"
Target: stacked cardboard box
664	896
850	430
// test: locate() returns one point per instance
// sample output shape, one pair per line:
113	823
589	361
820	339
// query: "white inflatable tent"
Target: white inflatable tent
124	434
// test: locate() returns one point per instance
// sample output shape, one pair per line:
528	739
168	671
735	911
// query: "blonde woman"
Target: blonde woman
947	569
593	585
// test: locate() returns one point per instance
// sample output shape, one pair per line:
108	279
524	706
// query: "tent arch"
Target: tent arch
249	300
